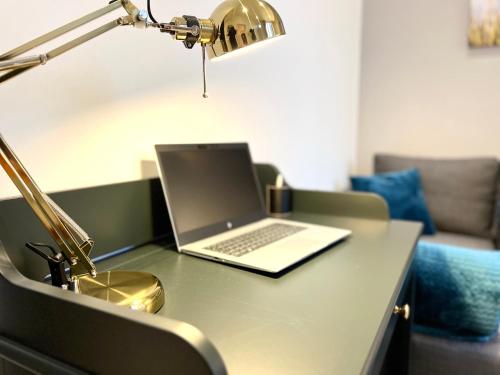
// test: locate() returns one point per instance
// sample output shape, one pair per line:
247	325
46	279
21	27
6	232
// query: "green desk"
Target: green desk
330	315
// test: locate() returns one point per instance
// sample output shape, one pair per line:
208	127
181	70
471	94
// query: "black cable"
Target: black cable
150	14
36	247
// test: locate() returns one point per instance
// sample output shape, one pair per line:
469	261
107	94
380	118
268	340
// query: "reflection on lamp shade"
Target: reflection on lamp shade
243	23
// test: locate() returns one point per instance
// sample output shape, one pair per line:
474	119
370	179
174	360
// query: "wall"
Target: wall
423	91
92	116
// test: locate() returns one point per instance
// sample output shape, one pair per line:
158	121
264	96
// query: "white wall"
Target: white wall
91	116
423	91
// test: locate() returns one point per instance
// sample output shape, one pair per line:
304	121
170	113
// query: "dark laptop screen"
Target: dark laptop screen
209	188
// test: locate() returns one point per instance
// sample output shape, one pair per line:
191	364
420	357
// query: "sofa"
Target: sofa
463	197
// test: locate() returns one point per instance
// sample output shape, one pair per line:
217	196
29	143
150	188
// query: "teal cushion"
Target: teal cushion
403	193
457	291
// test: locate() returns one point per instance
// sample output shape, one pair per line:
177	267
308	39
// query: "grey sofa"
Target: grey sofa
463	196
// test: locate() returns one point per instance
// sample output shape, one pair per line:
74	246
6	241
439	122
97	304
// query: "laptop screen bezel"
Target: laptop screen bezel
187	237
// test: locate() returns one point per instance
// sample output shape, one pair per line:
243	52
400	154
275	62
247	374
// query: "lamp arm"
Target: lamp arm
23	62
19	65
188	29
60	227
16	66
59	31
70	238
73	242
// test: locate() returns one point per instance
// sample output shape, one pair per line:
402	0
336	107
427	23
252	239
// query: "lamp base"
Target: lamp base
136	290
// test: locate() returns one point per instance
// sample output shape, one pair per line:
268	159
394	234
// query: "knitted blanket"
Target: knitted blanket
457	291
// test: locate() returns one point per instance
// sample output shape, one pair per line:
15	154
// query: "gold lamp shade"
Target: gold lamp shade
243	23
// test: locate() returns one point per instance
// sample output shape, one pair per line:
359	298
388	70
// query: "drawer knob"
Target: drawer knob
402	311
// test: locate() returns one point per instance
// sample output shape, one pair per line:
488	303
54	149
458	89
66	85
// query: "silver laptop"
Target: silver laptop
217	210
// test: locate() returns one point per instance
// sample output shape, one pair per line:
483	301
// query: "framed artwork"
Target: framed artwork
484	27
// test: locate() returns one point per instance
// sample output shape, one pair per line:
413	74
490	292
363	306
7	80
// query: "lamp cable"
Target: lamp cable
150	14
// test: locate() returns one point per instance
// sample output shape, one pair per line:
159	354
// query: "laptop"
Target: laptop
217	211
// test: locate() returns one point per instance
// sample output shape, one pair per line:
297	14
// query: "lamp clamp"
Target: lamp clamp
189	29
192	37
55	261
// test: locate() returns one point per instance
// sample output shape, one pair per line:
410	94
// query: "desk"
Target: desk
332	314
329	315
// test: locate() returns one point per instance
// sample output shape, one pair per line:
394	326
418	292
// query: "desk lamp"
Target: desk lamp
233	25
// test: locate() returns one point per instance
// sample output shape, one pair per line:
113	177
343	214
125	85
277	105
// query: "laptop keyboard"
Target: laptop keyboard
248	242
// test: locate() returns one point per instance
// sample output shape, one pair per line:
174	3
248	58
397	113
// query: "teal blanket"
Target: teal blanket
457	291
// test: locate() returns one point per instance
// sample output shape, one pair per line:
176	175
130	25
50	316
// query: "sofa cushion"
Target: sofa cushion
403	193
463	240
460	193
436	355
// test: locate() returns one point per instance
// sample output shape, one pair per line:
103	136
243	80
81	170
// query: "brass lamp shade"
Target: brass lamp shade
243	23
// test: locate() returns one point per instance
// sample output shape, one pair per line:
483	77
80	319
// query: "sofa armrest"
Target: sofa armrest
350	204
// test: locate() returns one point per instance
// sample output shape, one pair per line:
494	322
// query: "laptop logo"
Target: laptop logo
229	225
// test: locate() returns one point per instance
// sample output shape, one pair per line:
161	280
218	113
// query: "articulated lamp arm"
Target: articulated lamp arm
10	62
74	243
188	29
72	240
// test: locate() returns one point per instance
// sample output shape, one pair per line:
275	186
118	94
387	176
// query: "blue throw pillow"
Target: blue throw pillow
457	291
403	193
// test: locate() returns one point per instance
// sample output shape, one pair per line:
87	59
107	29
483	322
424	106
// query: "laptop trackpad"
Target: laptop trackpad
292	249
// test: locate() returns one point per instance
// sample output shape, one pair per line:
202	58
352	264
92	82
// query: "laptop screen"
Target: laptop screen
209	188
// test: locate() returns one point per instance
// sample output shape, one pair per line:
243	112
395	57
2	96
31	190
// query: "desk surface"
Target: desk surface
326	316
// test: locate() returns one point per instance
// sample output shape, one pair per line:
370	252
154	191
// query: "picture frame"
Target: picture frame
484	24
